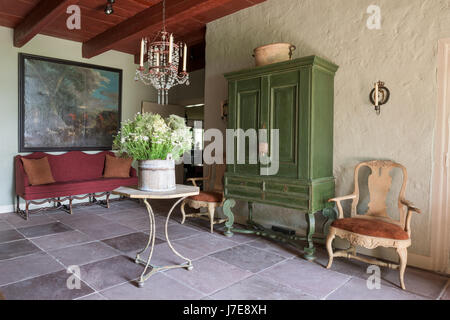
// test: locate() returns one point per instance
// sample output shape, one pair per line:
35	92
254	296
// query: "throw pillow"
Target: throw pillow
117	167
38	171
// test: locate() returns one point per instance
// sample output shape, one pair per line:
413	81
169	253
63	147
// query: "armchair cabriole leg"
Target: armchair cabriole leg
403	254
329	244
211	210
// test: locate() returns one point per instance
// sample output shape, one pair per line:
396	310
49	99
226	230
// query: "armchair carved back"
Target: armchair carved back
215	177
379	184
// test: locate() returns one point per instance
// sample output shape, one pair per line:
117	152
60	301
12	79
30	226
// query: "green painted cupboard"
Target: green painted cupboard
295	97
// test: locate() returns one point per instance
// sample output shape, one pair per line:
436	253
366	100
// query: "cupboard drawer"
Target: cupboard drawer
273	193
284	188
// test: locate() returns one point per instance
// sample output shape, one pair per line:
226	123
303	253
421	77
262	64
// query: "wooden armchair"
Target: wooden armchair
211	198
375	228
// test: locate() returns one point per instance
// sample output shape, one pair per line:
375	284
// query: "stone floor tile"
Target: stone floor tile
237	237
110	230
282	249
209	275
86	221
345	266
176	232
164	256
33	265
106	273
63	216
356	289
139	224
168	289
44	229
5	226
248	258
259	288
206	243
132	242
306	276
93	296
128	215
10	235
417	281
84	253
446	294
51	286
34	220
61	240
17	248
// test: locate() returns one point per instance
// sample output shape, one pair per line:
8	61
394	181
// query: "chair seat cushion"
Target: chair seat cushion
207	196
372	228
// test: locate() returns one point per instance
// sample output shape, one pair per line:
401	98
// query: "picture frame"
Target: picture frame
66	105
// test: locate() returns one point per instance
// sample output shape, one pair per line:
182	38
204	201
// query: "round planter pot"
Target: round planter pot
273	53
156	175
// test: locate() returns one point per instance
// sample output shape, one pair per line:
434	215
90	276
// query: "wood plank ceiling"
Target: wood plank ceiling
122	30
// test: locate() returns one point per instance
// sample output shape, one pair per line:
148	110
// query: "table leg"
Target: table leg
189	265
151	243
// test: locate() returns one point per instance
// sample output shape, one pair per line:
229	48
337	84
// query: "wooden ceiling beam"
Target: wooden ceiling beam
147	22
40	16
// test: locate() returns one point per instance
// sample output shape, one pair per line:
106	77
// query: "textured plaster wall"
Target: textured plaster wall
132	93
403	54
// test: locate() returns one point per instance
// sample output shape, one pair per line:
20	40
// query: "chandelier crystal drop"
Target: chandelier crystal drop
163	59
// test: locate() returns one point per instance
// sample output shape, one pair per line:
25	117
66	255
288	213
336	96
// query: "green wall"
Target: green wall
132	93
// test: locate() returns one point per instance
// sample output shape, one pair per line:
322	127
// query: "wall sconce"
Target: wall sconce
379	96
224	110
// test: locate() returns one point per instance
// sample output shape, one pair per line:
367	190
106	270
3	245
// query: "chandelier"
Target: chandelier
163	62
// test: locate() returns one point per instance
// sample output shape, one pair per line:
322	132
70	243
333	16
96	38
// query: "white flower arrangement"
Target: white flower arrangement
150	137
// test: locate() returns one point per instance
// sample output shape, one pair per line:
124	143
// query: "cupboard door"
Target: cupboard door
248	102
284	116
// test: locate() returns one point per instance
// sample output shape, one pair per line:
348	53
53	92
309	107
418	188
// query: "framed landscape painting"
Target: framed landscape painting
65	105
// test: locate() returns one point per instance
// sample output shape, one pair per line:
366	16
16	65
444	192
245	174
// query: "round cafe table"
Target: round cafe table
181	192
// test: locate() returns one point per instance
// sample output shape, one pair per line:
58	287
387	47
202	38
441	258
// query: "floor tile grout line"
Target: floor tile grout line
274	265
446	286
50	255
338	287
185	284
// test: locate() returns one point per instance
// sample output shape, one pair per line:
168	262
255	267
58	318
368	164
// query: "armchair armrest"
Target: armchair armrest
411	208
194	180
339	205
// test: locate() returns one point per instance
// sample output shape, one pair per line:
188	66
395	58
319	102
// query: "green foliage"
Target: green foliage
150	137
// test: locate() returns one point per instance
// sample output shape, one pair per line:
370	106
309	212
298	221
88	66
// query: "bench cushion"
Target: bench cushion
78	187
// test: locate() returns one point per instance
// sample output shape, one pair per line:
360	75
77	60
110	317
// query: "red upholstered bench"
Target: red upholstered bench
78	175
